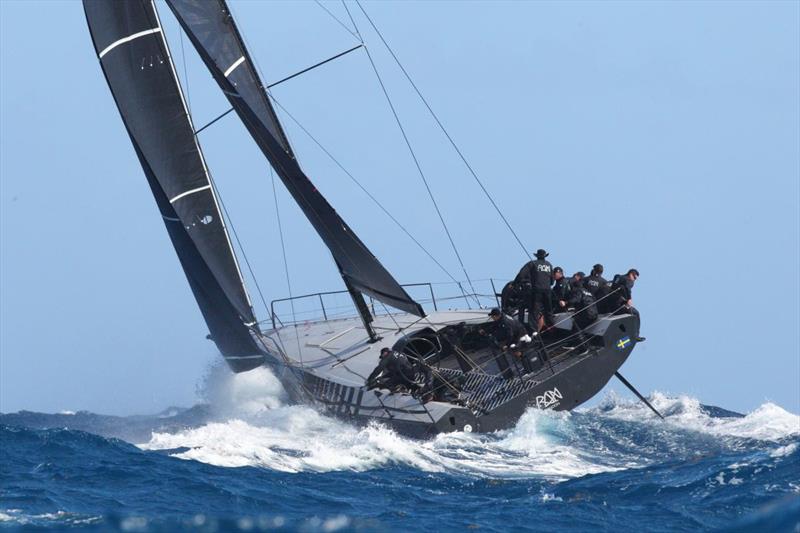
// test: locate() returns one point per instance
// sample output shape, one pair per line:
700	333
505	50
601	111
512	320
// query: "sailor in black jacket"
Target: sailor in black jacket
506	330
393	370
538	275
596	283
623	292
585	310
561	290
510	336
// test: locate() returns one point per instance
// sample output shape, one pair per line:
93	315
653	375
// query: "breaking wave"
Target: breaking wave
252	426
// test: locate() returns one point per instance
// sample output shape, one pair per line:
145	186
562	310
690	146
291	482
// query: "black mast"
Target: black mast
213	32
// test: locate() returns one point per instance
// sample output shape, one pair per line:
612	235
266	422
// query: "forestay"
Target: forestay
211	28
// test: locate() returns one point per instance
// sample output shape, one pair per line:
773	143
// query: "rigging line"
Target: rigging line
244	254
334	17
419	168
364	190
355	26
285	263
312	67
213	121
441	126
185	76
390	315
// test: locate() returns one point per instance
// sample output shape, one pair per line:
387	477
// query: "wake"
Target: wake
250	424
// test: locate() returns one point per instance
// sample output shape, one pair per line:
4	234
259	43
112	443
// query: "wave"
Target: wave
250	425
244	459
769	422
244	420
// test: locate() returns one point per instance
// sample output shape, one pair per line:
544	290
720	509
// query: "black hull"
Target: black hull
561	385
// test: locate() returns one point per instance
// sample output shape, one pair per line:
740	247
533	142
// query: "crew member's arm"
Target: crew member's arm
524	274
575	297
378	370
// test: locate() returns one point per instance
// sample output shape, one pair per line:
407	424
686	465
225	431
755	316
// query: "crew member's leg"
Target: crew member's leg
502	364
538	306
579	322
547	300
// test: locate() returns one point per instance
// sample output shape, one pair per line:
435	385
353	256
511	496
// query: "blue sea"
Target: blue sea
245	460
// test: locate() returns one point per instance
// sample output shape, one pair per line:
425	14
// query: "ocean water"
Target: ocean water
245	460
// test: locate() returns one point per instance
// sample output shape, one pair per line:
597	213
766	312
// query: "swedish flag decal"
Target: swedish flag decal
623	343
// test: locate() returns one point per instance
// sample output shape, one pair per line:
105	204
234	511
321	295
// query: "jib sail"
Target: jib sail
135	59
211	28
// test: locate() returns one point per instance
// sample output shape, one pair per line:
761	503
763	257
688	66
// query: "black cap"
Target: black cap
541	254
558	269
633	271
385	350
579	273
494	312
598	268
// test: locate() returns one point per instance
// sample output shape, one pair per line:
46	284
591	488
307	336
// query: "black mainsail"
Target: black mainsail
211	28
135	59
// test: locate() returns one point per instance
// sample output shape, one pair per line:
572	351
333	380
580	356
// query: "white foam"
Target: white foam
783	451
253	427
769	422
246	395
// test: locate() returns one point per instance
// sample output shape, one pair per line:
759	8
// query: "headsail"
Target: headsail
135	59
210	26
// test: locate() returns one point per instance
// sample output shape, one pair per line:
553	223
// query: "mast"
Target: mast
135	60
212	30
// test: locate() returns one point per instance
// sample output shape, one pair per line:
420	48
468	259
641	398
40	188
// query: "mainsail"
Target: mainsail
210	26
135	59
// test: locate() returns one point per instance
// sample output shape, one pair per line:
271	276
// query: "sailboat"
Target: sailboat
472	386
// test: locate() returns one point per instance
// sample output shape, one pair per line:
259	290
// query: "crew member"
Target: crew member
538	275
623	299
623	287
511	298
509	334
595	282
561	290
575	282
583	302
394	371
523	292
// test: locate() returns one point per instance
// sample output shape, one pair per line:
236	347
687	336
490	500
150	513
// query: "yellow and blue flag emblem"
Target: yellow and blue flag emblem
623	343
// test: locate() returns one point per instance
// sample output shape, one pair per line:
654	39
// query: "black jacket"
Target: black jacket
561	289
583	302
536	274
512	297
507	330
623	290
395	365
595	284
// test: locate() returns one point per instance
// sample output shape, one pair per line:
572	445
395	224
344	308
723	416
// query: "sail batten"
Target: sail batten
141	75
213	32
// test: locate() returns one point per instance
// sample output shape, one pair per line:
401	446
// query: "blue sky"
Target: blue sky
664	136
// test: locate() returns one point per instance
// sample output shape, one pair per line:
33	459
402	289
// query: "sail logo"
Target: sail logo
550	398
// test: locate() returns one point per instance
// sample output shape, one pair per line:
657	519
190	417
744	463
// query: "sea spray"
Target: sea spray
253	426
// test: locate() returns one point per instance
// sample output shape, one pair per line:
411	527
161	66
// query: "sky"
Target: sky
661	136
